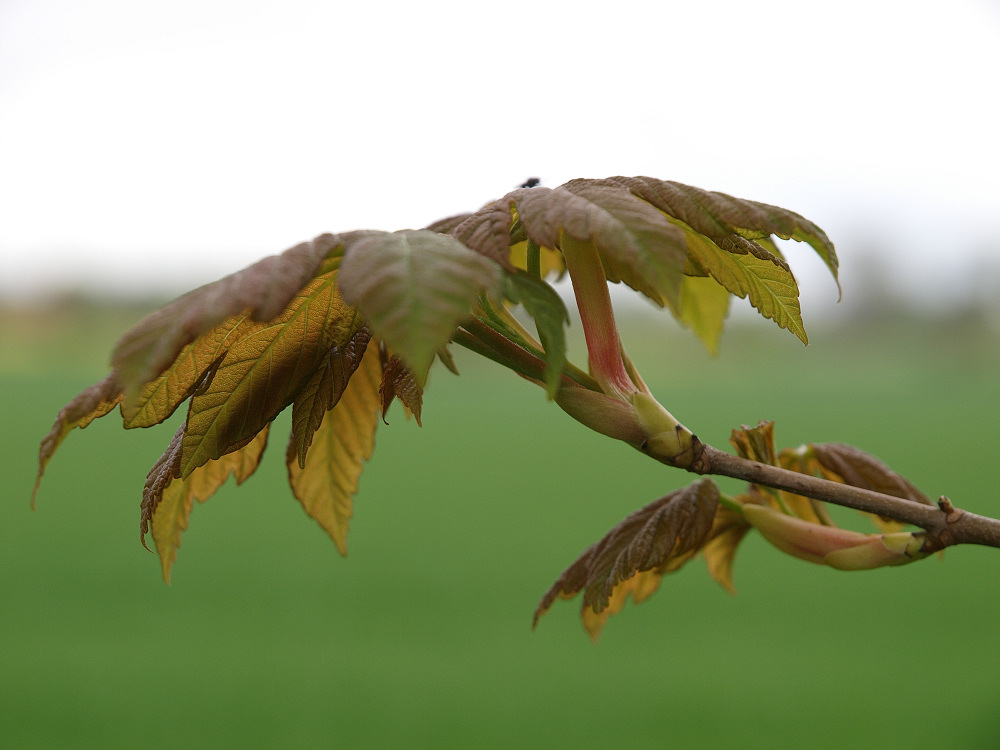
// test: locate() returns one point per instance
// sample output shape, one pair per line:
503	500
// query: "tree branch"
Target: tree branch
945	525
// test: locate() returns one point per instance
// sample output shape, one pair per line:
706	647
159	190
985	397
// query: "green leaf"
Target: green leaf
263	372
548	310
327	482
414	287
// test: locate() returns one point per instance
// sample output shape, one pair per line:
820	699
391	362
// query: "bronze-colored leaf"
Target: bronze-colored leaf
324	389
850	465
448	224
487	231
344	441
91	403
263	290
192	372
398	381
263	372
757	444
637	244
660	537
716	215
167	499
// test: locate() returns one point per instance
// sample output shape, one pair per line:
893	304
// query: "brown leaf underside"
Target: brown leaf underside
631	558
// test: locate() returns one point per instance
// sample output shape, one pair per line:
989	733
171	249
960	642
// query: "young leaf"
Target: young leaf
548	310
263	372
399	381
414	287
748	270
263	289
168	499
326	484
704	307
850	465
728	530
324	389
93	402
637	244
659	537
192	372
716	215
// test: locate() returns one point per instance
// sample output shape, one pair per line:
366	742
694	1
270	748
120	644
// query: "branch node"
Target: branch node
952	514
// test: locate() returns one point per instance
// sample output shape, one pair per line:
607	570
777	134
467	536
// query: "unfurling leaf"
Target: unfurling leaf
414	287
632	557
398	381
326	484
167	499
96	401
849	465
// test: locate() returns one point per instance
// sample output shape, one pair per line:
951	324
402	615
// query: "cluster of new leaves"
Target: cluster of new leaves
632	558
339	326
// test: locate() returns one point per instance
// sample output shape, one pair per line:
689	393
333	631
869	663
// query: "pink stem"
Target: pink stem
590	286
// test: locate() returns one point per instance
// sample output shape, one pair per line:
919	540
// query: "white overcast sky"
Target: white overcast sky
157	145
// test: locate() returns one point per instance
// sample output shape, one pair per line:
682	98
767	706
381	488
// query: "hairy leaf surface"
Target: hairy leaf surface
654	540
414	287
262	290
263	372
167	499
328	481
93	402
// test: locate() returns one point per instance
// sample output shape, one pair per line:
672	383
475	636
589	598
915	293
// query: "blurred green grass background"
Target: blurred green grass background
421	636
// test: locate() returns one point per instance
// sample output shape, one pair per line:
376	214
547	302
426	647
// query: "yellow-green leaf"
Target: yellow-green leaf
704	306
168	499
326	485
324	389
749	271
262	372
262	290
